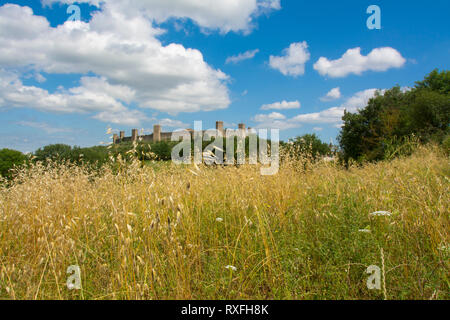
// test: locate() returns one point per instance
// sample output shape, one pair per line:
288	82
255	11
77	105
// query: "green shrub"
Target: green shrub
54	152
308	145
378	130
64	153
10	159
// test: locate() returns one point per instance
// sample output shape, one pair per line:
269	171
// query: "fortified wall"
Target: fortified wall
158	135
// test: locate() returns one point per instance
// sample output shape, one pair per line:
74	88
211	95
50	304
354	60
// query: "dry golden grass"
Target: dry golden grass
169	233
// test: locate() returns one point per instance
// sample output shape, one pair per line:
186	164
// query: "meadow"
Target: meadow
228	232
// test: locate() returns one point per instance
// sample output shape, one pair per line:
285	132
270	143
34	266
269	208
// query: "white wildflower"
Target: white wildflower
231	268
380	213
219	219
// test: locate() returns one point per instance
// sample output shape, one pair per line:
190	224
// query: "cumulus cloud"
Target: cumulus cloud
352	62
224	15
14	94
242	56
334	94
292	62
331	116
273	120
334	115
129	63
271	116
283	105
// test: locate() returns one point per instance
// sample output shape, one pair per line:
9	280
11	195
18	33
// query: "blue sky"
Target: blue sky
126	66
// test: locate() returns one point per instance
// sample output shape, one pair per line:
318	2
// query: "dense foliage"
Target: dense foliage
10	159
393	117
144	151
308	144
62	152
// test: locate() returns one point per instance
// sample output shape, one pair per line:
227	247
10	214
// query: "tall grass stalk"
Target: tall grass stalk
169	233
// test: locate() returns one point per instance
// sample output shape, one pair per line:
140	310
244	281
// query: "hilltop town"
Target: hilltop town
158	135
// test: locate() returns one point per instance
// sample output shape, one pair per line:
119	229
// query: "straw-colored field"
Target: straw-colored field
171	233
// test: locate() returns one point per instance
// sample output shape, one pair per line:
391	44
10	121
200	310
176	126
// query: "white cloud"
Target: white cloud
43	126
130	63
172	123
122	117
79	99
223	15
242	56
274	120
266	117
278	124
360	99
39	78
271	4
283	105
331	116
352	62
334	94
292	62
334	115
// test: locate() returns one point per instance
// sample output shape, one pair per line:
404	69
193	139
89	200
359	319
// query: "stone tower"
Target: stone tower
156	133
219	127
134	135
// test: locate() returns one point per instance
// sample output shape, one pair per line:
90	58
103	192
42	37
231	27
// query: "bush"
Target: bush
54	152
64	153
391	117
10	159
308	145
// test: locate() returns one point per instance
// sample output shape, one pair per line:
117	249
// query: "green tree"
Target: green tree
436	81
393	116
310	144
363	132
54	152
9	159
428	115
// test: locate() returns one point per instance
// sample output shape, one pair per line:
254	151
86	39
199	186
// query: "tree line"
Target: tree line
394	117
386	127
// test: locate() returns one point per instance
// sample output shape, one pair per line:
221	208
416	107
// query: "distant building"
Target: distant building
158	135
